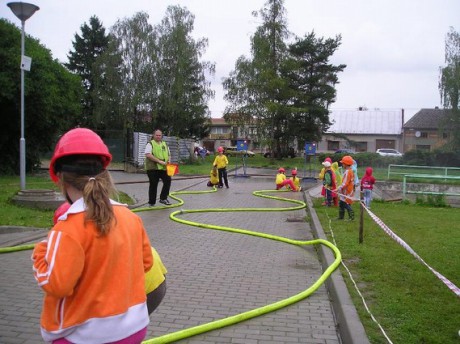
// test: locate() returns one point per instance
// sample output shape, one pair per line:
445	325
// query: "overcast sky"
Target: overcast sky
392	48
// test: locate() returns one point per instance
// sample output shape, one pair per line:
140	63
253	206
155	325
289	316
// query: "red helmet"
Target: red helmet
294	172
220	150
347	160
79	141
281	170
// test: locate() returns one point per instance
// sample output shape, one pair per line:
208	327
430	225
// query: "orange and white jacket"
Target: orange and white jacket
94	285
347	187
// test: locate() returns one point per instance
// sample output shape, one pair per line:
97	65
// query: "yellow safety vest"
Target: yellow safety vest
159	151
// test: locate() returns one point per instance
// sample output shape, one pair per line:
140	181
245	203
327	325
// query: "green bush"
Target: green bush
437	157
364	159
437	201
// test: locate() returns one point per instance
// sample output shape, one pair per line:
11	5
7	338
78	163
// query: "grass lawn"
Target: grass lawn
406	298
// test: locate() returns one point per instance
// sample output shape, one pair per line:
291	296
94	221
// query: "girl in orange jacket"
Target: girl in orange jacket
92	264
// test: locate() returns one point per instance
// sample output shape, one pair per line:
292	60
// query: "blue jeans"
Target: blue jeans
367	195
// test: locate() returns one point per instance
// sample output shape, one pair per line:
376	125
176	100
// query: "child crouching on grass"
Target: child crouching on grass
281	180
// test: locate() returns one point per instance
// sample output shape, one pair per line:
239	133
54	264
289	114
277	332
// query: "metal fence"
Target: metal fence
181	149
430	188
422	170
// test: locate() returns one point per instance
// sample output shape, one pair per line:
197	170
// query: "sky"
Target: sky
393	49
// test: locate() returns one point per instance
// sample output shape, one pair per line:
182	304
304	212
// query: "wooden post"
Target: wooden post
361	218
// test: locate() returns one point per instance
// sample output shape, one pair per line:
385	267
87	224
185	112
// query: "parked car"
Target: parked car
233	151
344	151
388	152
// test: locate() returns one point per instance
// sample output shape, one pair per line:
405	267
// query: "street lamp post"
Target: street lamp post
23	11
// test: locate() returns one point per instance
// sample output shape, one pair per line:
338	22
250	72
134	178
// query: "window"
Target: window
333	145
219	130
424	134
361	146
423	147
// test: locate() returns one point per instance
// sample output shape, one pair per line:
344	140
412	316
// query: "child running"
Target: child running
221	163
92	264
281	180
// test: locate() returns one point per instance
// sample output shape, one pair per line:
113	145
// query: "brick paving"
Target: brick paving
211	274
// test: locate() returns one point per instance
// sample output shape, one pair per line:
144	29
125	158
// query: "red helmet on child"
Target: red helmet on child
79	141
294	172
281	170
220	149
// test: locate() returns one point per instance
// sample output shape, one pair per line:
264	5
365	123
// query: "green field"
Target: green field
407	299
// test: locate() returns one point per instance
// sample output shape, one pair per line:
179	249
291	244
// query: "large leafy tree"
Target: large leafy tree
449	87
88	46
153	77
286	89
183	91
52	98
125	87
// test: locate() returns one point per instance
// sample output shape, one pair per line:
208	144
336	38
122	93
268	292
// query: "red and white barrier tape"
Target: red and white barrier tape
400	241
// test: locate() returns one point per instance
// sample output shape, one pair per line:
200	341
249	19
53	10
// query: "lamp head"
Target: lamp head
23	10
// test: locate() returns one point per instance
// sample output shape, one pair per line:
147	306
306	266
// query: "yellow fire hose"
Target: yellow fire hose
213	325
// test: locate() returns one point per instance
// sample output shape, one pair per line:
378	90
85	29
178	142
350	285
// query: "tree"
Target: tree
153	76
125	88
256	86
183	91
286	89
87	48
52	99
449	87
312	82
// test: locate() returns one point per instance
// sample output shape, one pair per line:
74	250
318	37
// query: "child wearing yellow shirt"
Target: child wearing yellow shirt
221	163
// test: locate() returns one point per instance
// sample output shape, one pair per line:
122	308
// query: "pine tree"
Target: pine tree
87	48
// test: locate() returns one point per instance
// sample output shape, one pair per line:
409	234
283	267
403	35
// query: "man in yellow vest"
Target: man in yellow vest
157	156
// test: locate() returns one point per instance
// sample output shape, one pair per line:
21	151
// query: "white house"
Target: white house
363	131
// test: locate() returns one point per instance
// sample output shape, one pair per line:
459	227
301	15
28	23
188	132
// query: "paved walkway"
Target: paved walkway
211	274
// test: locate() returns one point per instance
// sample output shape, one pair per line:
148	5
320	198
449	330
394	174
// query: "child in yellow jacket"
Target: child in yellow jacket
281	180
213	177
221	163
295	179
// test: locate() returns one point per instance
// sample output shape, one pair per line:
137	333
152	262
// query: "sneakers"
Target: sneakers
151	204
165	202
